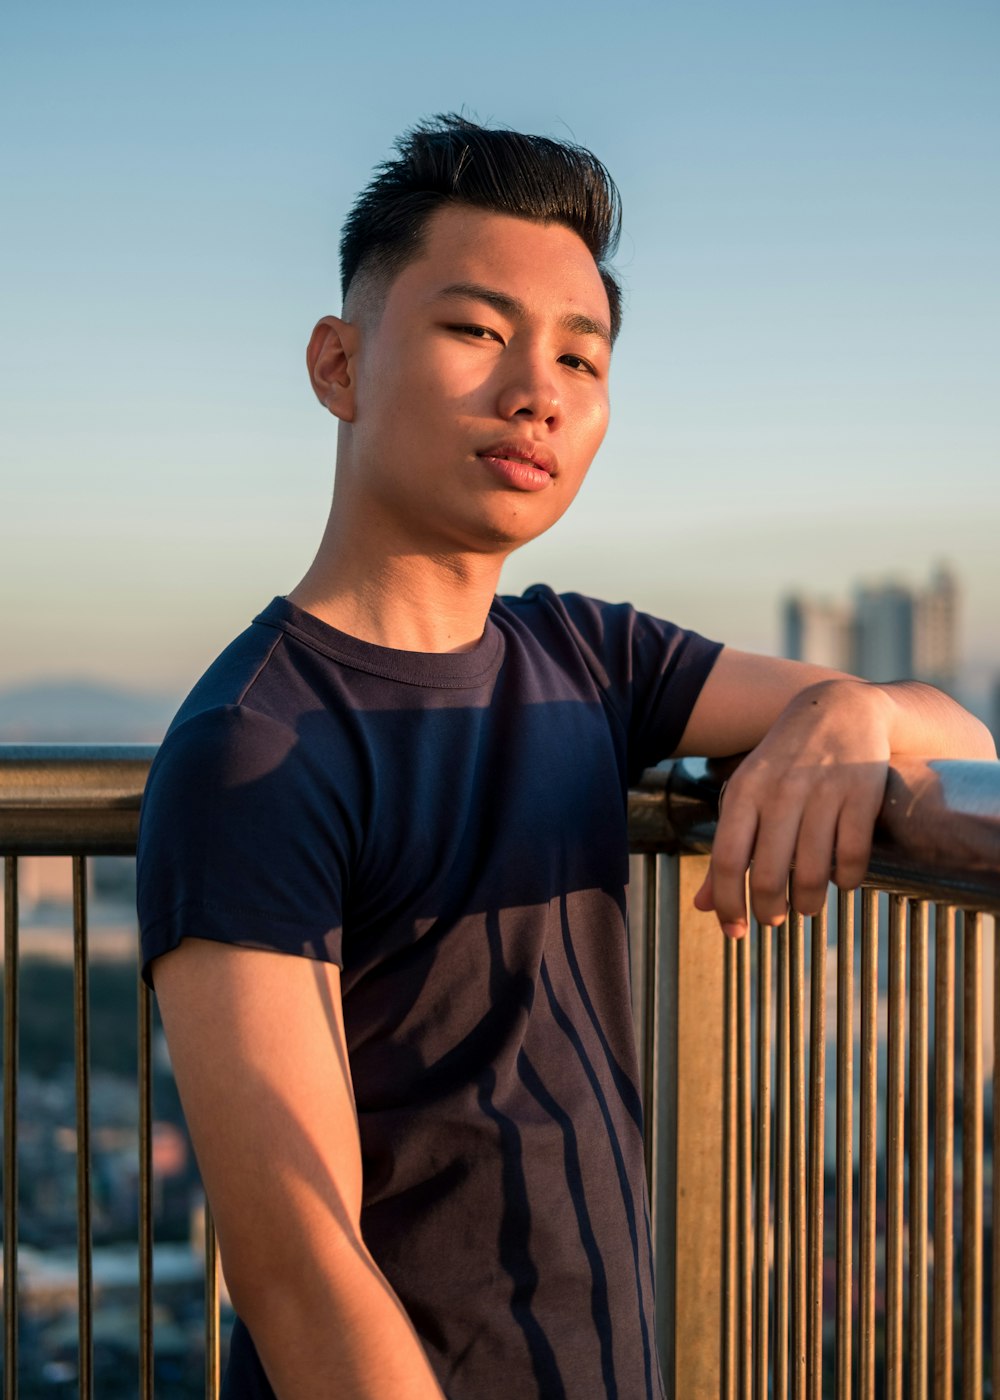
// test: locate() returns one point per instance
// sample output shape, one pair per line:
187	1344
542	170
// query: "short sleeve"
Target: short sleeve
650	670
241	840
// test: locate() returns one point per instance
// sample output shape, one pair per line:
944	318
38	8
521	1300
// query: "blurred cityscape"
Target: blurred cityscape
47	1140
890	631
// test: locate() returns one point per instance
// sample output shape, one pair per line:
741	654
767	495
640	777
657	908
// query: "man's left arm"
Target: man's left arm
818	746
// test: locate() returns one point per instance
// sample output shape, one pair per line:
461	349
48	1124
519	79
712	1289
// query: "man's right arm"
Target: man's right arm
259	1054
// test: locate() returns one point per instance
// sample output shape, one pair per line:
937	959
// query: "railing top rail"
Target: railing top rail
938	835
71	799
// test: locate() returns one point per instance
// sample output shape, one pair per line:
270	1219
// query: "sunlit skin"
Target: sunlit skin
493	344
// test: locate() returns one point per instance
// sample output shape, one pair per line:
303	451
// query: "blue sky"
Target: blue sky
804	393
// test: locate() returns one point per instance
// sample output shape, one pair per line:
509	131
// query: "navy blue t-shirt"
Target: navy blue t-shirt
450	829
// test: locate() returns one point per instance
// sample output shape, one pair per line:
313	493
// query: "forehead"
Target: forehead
546	266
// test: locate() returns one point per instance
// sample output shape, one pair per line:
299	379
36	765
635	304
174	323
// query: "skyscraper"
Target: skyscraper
890	633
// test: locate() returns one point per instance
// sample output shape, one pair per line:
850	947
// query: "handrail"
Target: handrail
938	838
71	799
938	835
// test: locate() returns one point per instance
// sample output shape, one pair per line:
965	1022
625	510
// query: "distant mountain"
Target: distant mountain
82	712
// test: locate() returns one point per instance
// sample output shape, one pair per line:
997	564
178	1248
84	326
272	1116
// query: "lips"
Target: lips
521	451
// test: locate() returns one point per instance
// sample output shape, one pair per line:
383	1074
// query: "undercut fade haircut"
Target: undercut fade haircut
451	160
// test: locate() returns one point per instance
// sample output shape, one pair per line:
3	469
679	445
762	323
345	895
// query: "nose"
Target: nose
530	392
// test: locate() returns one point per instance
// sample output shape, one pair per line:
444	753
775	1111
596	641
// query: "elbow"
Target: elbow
261	1279
987	744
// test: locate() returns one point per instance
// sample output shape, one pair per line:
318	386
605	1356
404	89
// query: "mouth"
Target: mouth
521	463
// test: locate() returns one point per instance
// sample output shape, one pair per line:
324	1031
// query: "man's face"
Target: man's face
481	390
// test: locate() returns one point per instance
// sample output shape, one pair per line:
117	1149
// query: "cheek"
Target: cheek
429	384
592	417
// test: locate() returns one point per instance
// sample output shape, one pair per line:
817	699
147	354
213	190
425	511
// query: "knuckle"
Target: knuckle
769	912
791	787
853	855
808	898
728	866
768	885
848	877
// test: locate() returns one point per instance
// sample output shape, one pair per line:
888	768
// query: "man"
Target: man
383	853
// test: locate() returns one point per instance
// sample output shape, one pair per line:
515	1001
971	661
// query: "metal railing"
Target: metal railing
733	1045
81	801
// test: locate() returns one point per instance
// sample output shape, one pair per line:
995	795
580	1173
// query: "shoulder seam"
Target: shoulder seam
244	693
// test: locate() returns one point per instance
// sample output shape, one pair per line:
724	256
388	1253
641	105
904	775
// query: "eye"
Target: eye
579	363
477	332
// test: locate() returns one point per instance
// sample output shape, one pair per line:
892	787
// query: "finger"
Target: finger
734	839
704	899
772	860
814	857
855	827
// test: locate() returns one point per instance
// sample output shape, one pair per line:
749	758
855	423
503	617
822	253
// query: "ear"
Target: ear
330	355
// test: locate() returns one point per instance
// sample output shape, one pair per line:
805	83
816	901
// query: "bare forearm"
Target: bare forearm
352	1340
259	1051
927	723
745	696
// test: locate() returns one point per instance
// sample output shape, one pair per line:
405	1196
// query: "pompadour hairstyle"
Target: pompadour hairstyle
451	160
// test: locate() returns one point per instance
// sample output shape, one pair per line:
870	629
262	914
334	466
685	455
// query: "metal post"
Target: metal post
972	1159
11	975
800	1218
211	1308
869	1106
944	1113
745	1168
145	1194
895	1124
918	1150
687	1134
730	1224
763	1179
782	1171
84	1233
817	1105
845	1138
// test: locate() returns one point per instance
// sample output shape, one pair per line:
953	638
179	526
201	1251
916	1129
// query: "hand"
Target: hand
808	795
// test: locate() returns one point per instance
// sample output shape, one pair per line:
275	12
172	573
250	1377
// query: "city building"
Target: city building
889	631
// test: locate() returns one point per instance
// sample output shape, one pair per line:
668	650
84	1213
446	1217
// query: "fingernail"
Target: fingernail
734	930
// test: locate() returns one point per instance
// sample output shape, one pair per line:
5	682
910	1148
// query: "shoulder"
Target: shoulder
609	634
254	743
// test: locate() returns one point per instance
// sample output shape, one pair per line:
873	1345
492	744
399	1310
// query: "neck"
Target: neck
384	591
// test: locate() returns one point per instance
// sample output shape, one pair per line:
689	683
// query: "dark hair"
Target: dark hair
450	160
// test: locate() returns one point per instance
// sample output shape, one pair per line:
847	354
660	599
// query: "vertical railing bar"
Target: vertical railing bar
944	1113
918	1150
730	1225
869	1109
782	1172
763	1177
650	924
211	1308
799	1225
745	1170
817	1107
845	1139
11	978
84	1233
145	1193
995	1171
895	1125
972	1158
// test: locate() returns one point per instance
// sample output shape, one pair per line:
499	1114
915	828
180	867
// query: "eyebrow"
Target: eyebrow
515	309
